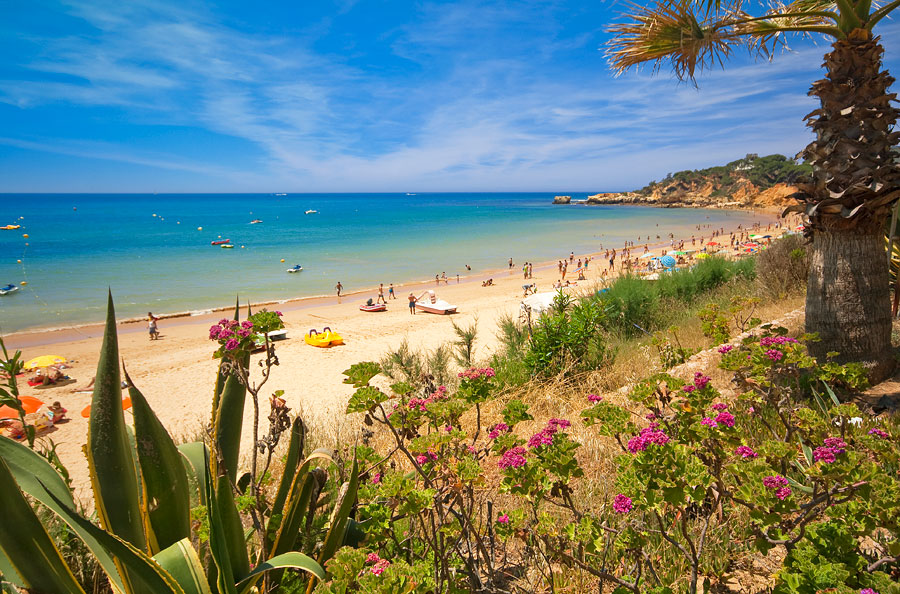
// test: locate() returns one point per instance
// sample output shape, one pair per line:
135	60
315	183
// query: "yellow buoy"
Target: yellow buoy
199	228
281	260
23	283
19	261
154	214
242	247
25	235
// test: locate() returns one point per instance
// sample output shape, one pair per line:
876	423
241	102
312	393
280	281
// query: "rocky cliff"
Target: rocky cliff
751	182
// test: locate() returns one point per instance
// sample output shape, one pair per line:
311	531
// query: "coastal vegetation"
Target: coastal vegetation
855	174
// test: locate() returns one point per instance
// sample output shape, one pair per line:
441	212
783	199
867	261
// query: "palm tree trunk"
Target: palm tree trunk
856	179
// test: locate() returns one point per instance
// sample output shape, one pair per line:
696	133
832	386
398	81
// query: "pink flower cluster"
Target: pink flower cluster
497	429
376	479
378	564
725	418
709	423
513	458
775	340
700	380
648	435
774	355
879	433
545	435
867	591
719	406
726	348
503	519
421	403
230	331
745	452
834	447
779	484
622	504
594	398
474	373
426	457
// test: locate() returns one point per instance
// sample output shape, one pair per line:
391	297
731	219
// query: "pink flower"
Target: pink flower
783	493
719	406
213	332
373	558
380	566
246	324
879	433
497	429
775	481
745	452
774	355
376	480
503	519
824	454
513	458
709	423
594	398
622	504
725	418
751	410
837	444
771	340
448	428
725	348
689	388
232	344
867	591
648	435
650	417
421	459
700	380
474	373
278	313
471	449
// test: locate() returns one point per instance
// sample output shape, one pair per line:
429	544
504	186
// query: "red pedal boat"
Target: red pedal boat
373	307
220	242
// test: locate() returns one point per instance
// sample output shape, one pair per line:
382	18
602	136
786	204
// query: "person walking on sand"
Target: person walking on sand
151	326
510	264
381	298
412	304
391	292
339	287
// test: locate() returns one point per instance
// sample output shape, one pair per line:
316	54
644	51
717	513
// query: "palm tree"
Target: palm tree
856	177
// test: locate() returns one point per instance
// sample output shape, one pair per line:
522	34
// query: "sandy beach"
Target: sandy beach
176	373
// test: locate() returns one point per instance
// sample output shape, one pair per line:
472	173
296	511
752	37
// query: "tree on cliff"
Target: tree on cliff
855	179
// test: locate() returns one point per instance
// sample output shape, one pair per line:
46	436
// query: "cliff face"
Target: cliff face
705	195
751	182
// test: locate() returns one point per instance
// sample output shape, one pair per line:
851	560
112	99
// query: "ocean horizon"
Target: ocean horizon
154	250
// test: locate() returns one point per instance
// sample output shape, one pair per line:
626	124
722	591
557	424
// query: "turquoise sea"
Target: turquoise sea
150	251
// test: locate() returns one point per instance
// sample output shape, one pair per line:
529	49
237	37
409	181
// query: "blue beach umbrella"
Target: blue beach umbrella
667	261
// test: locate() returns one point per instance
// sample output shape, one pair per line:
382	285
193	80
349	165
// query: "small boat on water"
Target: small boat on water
311	211
429	303
295	268
11	227
255	221
369	306
220	242
281	194
10	288
227	245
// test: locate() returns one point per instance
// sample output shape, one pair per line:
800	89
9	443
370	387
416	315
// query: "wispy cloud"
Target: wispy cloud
460	96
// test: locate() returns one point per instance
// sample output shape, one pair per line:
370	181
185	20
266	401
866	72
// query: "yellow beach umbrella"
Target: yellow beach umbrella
44	361
701	256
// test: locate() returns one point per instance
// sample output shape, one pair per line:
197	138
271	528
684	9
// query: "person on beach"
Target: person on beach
339	287
510	263
391	292
412	304
437	280
468	268
444	278
381	298
151	326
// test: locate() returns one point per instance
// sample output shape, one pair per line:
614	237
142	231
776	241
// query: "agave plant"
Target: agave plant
143	487
856	174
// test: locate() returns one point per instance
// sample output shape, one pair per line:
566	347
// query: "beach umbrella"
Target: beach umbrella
29	403
44	361
712	243
667	261
701	256
680	253
755	236
751	245
647	255
86	412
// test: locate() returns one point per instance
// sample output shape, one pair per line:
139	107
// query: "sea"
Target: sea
154	251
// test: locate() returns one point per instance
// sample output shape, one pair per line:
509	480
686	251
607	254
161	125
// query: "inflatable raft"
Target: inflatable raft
323	339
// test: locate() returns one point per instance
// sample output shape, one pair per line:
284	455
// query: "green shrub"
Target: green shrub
783	267
568	337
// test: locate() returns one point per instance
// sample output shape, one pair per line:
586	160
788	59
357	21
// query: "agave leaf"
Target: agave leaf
232	529
108	451
291	462
229	419
144	575
38	478
292	560
297	505
167	500
194	456
8	572
183	564
218	544
220	377
340	515
37	562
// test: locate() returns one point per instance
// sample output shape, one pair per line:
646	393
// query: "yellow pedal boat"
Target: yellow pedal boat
325	338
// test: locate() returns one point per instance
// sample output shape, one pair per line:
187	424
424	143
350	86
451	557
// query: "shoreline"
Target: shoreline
47	336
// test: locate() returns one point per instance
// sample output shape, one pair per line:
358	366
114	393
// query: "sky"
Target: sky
369	96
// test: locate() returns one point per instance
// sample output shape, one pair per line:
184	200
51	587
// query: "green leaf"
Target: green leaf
229	418
167	499
338	525
360	374
142	572
27	546
291	461
218	541
108	451
290	560
194	456
232	529
180	560
365	398
37	477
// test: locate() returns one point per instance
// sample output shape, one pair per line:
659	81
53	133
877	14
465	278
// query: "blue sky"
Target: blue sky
381	96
